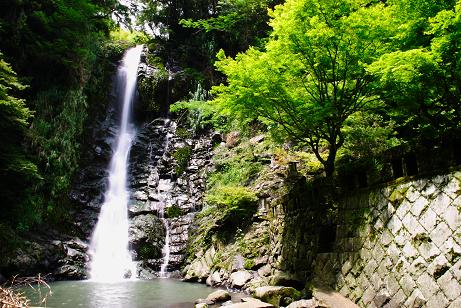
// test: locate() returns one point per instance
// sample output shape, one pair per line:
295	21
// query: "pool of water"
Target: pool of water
162	293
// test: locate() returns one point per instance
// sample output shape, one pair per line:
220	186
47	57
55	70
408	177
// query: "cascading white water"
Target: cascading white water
110	257
165	249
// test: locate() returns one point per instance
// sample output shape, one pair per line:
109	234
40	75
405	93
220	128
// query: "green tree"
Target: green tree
312	75
17	172
421	83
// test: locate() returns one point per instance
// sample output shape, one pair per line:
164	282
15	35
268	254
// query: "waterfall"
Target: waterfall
110	257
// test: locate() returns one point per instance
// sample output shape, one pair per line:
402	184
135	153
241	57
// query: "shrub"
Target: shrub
174	211
182	156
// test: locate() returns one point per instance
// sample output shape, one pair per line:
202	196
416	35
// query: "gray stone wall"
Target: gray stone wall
398	246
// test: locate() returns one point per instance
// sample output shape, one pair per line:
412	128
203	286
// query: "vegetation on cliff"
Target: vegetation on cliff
63	51
344	77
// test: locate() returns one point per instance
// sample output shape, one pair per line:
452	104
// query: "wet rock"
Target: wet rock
147	236
240	278
219	296
214	279
201	305
277	295
281	278
204	301
265	270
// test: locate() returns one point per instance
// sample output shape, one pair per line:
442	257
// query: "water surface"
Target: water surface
160	293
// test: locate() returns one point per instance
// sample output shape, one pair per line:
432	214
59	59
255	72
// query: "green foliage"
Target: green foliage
183	133
56	136
249	264
421	84
9	241
148	251
197	113
238	23
234	199
182	156
233	168
17	172
367	134
174	211
311	77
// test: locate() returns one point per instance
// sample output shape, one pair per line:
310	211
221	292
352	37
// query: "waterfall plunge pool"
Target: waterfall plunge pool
156	293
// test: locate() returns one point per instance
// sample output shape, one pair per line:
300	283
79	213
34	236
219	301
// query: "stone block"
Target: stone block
403	209
376	282
386	238
402	265
440	203
450	286
392	285
412	194
452	217
457	202
417	267
440	234
345	291
346	267
456	270
451	250
429	190
378	253
384	266
368	295
382	298
394	253
419	206
350	281
410	251
427	285
397	300
366	253
394	225
438	266
438	300
390	209
456	303
415	300
428	250
370	267
378	225
429	220
453	187
440	180
363	282
407	284
412	225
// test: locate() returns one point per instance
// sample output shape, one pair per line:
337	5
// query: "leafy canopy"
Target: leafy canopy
311	76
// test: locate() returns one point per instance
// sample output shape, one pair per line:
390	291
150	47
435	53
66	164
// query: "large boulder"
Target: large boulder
240	278
147	236
277	295
219	296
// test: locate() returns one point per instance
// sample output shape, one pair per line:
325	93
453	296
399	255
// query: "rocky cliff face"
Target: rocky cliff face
166	179
167	189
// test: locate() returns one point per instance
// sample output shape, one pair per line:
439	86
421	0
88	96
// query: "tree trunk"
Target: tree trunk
329	164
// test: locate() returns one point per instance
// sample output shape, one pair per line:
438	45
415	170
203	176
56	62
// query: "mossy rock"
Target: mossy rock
398	194
277	295
174	212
